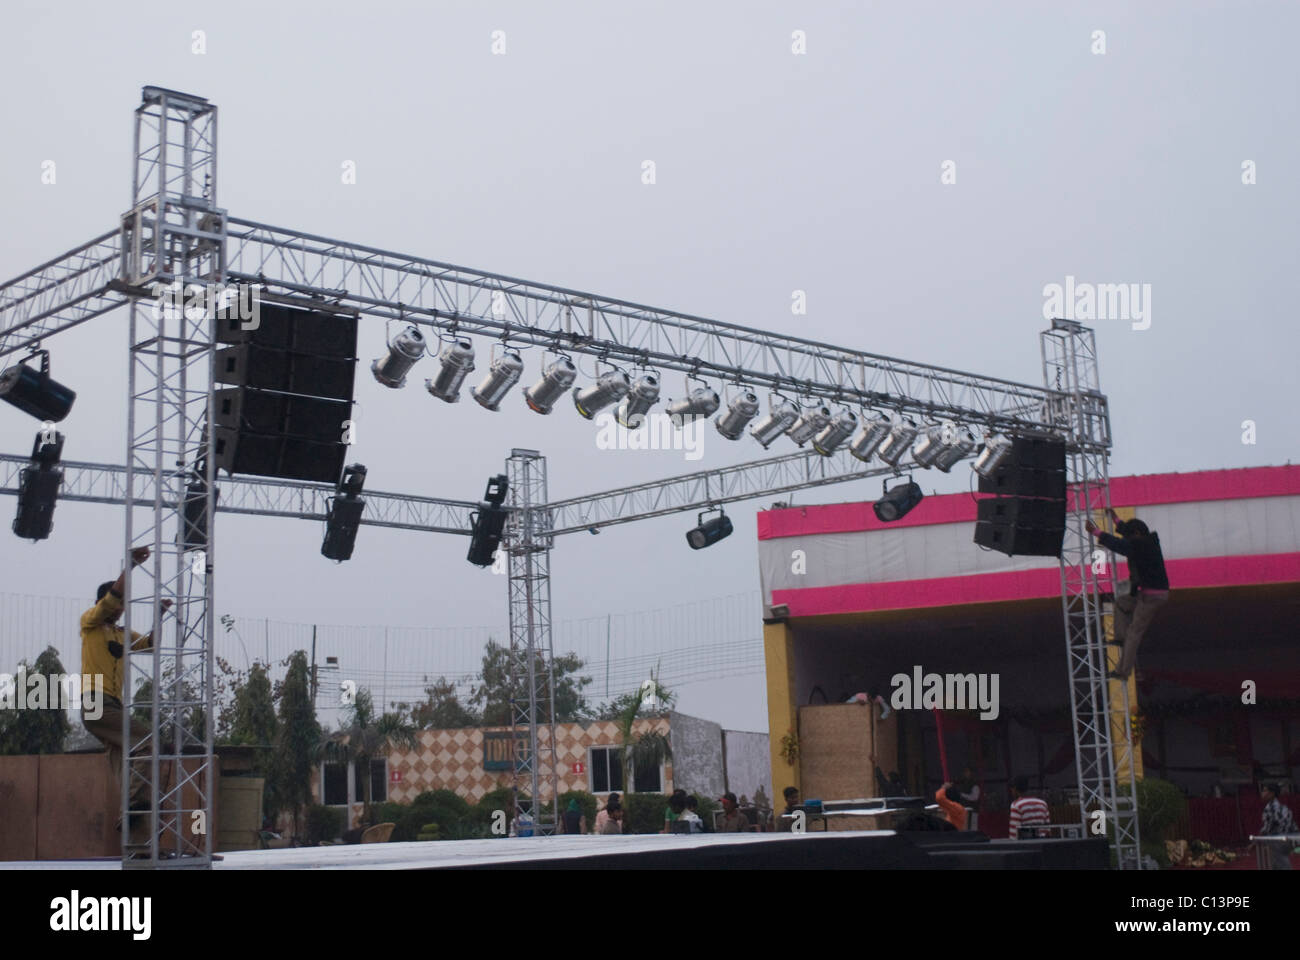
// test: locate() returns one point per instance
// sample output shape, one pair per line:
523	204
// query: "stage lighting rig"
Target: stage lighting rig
610	387
406	348
643	395
503	374
457	362
488	522
741	409
810	423
38	488
874	429
703	401
555	382
958	444
894	504
35	392
995	452
709	532
902	431
835	433
344	514
781	416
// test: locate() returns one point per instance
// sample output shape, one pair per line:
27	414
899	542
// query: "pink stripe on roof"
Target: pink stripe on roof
1146	490
1185	574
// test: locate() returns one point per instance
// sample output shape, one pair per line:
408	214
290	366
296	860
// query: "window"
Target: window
606	766
649	780
338	777
378	782
335	779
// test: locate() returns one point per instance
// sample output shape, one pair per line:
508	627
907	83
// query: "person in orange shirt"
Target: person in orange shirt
951	806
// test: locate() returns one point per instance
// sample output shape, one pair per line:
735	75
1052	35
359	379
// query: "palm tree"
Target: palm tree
364	736
652	748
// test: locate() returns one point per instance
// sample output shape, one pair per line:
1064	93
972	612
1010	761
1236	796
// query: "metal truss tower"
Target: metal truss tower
528	547
1080	414
174	234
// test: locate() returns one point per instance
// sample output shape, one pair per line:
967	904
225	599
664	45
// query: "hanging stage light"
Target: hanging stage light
503	374
700	402
929	444
835	433
34	392
488	522
343	516
643	395
810	423
406	348
874	429
457	359
742	409
38	488
555	382
894	504
995	452
902	431
959	445
709	532
781	416
610	387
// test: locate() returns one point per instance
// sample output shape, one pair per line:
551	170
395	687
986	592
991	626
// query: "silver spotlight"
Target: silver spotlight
902	431
810	423
995	451
503	374
929	444
457	359
643	395
700	402
610	387
555	383
742	409
835	433
873	431
406	348
959	445
780	418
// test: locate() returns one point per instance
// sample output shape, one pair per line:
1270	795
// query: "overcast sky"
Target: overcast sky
775	172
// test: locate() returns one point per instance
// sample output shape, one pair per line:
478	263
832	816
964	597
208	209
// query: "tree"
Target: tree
38	728
253	716
193	716
650	749
296	741
365	736
441	709
494	692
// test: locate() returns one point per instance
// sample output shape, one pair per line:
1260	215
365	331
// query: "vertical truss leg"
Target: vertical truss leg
532	715
173	233
1079	411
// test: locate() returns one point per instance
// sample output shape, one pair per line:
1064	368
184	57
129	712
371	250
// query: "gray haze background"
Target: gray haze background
775	173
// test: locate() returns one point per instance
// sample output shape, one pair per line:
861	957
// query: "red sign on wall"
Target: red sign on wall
395	776
578	767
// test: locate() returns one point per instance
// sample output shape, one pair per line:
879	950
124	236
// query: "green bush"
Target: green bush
587	803
643	812
502	798
707	807
322	823
428	832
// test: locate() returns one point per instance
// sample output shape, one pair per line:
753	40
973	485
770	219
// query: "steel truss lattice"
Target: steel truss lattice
528	550
1070	365
174	231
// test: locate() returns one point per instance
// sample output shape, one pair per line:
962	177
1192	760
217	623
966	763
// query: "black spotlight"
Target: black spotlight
709	532
894	504
487	522
38	488
344	514
196	510
33	392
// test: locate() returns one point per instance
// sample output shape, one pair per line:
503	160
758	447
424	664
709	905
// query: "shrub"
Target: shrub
643	812
428	832
322	823
708	805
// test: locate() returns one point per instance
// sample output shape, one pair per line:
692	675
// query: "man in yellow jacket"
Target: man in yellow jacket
101	659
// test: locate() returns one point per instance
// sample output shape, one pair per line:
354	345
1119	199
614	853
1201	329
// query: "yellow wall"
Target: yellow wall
782	711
